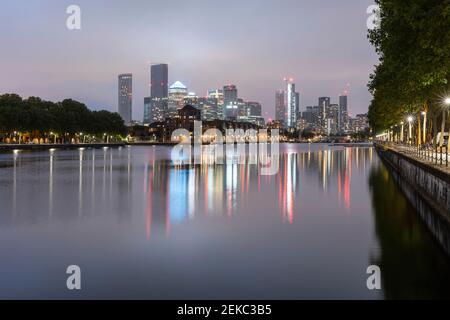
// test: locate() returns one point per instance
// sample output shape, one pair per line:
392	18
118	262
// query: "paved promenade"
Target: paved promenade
430	156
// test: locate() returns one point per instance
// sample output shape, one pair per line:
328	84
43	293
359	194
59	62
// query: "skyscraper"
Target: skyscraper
254	109
230	101
343	113
209	108
292	104
333	119
147	110
217	94
155	108
125	99
159	80
311	116
177	93
324	106
280	106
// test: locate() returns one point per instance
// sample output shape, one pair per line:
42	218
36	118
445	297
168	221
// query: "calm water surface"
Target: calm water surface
140	227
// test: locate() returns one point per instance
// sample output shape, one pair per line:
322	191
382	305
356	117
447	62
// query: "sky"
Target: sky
253	44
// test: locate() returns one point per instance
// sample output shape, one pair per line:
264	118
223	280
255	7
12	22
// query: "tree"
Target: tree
413	42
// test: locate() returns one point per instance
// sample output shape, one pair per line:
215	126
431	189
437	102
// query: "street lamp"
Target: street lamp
424	114
410	120
53	134
401	131
447	103
83	137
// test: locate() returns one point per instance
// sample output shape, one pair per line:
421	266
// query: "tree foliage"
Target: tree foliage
64	118
413	43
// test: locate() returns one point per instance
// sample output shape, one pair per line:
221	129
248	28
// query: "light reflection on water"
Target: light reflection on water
139	225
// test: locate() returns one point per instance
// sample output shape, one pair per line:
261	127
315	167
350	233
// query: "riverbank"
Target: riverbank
46	146
12	147
353	144
427	188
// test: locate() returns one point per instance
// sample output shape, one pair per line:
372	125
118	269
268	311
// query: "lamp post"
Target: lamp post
402	131
54	135
410	120
447	103
83	137
424	114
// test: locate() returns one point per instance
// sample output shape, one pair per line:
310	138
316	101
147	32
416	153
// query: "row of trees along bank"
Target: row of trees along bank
36	120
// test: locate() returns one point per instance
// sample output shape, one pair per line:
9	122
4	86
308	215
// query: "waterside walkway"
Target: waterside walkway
435	158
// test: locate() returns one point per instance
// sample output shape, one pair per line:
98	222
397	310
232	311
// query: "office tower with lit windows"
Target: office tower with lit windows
333	119
147	110
280	106
324	106
191	99
159	75
230	101
177	93
155	108
254	109
292	104
209	108
343	113
125	100
217	94
311	116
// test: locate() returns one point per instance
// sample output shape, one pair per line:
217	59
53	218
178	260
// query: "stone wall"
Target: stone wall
427	189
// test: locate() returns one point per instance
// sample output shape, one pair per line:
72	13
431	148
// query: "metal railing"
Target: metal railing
437	155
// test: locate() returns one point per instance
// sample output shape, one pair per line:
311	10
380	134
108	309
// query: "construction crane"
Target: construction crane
346	91
150	63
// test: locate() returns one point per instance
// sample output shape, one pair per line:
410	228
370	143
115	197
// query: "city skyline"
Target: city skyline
319	58
183	96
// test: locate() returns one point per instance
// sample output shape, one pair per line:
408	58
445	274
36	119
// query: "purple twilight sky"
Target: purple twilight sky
322	44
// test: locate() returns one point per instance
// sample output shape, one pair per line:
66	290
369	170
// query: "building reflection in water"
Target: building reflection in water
102	190
14	193
174	194
177	193
50	183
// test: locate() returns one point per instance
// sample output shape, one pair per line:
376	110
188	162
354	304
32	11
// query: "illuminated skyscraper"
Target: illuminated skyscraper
217	94
209	108
155	108
177	93
191	99
324	106
343	113
333	119
230	101
125	99
159	80
291	104
280	106
147	110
